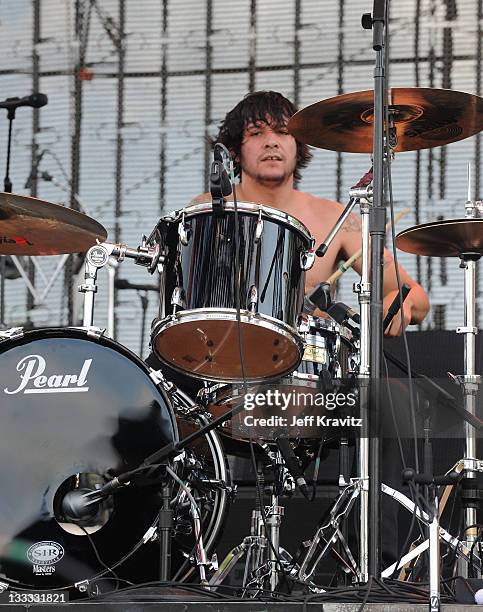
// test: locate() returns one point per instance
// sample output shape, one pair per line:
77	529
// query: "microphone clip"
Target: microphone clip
216	190
220	184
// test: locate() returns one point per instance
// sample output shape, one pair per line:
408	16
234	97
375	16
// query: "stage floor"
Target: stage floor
240	606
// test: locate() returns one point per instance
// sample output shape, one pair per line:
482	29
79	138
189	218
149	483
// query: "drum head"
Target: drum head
75	411
205	344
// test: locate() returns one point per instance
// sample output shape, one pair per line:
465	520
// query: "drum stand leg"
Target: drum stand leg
434	555
330	533
262	549
254	546
470	383
165	533
460	548
274	520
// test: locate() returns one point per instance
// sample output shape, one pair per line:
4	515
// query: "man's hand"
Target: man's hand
395	327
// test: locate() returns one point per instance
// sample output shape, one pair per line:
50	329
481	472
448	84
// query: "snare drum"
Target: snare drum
329	362
197	332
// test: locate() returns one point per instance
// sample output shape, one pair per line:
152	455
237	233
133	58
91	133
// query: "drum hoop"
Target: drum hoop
328	325
251	208
225	314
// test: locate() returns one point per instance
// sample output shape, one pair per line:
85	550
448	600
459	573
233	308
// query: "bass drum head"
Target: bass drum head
75	411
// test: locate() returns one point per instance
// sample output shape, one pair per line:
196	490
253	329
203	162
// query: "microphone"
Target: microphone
35	167
292	464
75	506
319	297
226	187
428	479
35	100
395	306
122	283
220	184
340	312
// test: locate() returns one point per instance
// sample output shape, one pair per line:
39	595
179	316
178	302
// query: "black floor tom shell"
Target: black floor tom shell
197	331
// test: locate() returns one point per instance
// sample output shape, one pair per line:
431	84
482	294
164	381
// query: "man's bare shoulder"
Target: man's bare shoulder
201	199
315	204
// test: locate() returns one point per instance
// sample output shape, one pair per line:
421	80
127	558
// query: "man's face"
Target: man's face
268	153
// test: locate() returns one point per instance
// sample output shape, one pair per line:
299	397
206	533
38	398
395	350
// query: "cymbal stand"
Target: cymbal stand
361	193
470	382
7	187
98	256
363	289
461	549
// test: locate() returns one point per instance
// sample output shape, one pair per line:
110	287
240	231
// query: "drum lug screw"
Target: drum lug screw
253	299
177	298
259	228
307	259
183	232
82	586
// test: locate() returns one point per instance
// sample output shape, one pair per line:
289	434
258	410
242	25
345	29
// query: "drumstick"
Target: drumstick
345	265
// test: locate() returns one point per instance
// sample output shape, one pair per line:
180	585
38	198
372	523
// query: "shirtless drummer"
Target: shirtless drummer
268	162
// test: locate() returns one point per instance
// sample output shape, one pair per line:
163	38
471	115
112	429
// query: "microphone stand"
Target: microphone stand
377	232
7	187
144	306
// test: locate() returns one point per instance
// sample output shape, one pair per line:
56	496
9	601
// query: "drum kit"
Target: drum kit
111	472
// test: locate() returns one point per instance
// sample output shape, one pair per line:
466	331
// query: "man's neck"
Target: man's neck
272	194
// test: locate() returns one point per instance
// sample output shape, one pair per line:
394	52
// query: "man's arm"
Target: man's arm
416	305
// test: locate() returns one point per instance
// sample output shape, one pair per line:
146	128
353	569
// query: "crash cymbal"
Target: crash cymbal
423	118
29	226
448	238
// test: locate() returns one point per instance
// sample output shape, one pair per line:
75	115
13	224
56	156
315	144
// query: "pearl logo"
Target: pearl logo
33	379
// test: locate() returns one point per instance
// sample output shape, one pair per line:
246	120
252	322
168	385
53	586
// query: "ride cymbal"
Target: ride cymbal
29	226
423	118
447	238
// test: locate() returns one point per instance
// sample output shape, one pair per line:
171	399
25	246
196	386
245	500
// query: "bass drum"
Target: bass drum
77	410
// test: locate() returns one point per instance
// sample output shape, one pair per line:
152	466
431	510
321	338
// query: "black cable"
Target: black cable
96	552
366	596
393	414
192	553
399	284
26	587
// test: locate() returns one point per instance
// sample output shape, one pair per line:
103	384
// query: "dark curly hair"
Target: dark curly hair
259	107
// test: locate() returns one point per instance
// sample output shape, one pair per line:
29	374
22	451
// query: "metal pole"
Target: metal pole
364	291
377	232
470	382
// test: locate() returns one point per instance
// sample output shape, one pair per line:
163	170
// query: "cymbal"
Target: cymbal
423	117
447	238
29	226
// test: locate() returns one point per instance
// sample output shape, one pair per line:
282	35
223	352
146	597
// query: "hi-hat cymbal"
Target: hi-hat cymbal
29	226
423	118
447	238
